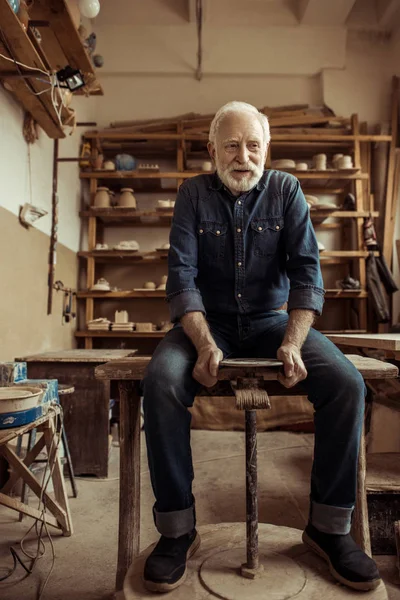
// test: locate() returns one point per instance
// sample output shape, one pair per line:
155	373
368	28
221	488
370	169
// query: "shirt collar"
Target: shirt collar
216	183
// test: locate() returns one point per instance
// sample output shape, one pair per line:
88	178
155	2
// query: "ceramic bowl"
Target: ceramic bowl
283	163
19	397
149	285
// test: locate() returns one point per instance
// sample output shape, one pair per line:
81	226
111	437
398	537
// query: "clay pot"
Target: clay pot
109	165
98	162
127	199
102	198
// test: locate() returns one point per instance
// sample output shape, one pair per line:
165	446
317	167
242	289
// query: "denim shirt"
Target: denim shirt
242	255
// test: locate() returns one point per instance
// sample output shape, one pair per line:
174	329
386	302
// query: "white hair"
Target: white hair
238	107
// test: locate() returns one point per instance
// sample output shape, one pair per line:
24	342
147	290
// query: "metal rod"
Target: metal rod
53	238
251	490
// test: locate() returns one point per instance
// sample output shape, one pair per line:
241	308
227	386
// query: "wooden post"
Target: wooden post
360	526
249	569
388	228
129	480
360	205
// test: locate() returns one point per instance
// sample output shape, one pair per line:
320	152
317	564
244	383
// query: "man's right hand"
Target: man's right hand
206	367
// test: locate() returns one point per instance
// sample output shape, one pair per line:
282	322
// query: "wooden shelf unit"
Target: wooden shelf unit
180	144
60	46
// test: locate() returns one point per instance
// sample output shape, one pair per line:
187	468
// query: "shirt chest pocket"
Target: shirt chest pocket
266	234
212	240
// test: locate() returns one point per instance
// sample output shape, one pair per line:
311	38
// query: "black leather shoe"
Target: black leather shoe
347	562
165	567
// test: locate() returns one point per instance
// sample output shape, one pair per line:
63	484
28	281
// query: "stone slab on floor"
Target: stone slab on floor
86	562
290	569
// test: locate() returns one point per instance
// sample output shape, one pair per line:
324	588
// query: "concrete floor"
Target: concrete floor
85	563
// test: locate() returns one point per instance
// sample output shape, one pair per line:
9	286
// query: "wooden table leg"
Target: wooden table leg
360	527
129	482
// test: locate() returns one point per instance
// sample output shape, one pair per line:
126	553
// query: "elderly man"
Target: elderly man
242	246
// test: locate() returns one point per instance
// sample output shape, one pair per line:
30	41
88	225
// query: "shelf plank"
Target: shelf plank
24	51
139	217
123	294
339	293
331	175
138	175
346	253
342	214
61	34
150	258
329	293
277	137
120	334
115	216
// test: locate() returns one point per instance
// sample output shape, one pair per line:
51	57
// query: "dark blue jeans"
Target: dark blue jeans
333	385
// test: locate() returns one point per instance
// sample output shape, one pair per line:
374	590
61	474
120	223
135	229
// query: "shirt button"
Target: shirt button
239	202
201	230
239	295
277	227
218	232
260	229
239	264
238	230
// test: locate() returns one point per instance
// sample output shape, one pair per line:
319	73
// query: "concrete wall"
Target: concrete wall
26	176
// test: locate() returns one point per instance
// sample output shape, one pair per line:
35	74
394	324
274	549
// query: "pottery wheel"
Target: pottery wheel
290	569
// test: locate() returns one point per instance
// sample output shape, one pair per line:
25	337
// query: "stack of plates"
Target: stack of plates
100	324
122	326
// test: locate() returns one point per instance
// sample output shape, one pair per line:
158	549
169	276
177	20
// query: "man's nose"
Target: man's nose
243	154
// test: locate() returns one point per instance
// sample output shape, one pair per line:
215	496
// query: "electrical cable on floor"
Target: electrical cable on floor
41	548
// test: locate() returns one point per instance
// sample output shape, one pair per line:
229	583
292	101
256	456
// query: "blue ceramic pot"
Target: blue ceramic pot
125	162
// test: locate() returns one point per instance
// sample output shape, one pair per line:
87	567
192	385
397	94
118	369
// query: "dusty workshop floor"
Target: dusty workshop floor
85	564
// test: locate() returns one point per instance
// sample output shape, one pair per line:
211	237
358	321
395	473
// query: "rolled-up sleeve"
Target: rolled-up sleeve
303	265
183	296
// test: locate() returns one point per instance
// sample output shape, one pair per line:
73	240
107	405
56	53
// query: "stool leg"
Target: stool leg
249	569
25	489
69	462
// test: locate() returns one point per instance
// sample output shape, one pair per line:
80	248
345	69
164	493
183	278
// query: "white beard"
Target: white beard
246	183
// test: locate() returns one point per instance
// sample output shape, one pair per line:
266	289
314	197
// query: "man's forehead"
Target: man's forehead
236	125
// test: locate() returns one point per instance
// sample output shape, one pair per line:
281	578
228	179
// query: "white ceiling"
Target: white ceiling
370	15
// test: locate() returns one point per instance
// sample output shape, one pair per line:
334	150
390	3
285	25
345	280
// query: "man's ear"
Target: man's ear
211	150
266	153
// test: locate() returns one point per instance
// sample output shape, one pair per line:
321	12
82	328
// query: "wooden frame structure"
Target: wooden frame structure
129	372
57	509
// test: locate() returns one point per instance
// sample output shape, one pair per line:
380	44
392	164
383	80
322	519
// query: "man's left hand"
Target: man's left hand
293	366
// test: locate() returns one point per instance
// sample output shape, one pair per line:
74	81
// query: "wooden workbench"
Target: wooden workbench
389	343
86	412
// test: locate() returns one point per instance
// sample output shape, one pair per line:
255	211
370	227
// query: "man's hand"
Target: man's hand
293	365
206	367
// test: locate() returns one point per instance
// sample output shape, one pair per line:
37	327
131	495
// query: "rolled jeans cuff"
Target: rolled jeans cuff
175	523
331	519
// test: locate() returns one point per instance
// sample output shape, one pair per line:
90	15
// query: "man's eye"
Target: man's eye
231	146
253	146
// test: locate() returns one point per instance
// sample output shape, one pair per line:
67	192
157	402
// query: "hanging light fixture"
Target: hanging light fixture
89	8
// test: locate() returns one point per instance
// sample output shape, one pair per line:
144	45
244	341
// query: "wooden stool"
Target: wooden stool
63	389
60	516
129	372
